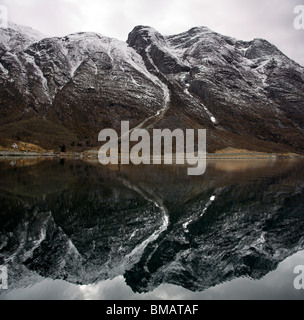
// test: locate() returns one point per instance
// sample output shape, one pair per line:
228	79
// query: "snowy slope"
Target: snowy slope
16	38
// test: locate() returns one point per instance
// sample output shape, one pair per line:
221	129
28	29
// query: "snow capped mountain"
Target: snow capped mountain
246	94
16	38
232	87
28	31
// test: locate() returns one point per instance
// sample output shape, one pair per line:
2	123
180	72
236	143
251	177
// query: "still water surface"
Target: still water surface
79	230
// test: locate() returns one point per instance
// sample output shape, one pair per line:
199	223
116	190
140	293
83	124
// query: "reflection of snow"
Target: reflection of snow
208	204
138	251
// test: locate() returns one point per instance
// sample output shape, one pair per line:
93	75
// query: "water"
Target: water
79	230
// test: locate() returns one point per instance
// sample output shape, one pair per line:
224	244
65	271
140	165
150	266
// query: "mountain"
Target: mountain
17	38
57	91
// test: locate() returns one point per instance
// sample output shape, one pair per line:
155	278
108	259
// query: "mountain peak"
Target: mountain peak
141	28
16	38
30	32
200	29
146	33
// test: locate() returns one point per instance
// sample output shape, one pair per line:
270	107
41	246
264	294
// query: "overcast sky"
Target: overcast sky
243	19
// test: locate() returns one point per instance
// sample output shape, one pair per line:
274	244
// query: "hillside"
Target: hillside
64	91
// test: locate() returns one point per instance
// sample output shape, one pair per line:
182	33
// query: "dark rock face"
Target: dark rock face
246	94
146	40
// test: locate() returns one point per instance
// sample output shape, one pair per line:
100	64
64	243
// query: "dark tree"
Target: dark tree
63	148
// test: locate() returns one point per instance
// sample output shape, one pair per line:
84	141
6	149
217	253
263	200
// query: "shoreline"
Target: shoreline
13	155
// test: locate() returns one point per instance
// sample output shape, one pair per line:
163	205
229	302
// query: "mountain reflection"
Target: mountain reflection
84	223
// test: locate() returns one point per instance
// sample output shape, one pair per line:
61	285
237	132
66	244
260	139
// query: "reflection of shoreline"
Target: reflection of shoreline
92	155
170	183
239	165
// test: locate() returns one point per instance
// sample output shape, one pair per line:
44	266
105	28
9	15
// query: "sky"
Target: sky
272	20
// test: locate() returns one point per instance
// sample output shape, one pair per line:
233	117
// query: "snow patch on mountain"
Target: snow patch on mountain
30	32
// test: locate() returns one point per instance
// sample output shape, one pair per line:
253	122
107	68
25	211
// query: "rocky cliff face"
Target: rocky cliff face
58	91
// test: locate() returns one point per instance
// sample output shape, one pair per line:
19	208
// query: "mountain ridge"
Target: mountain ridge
247	94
